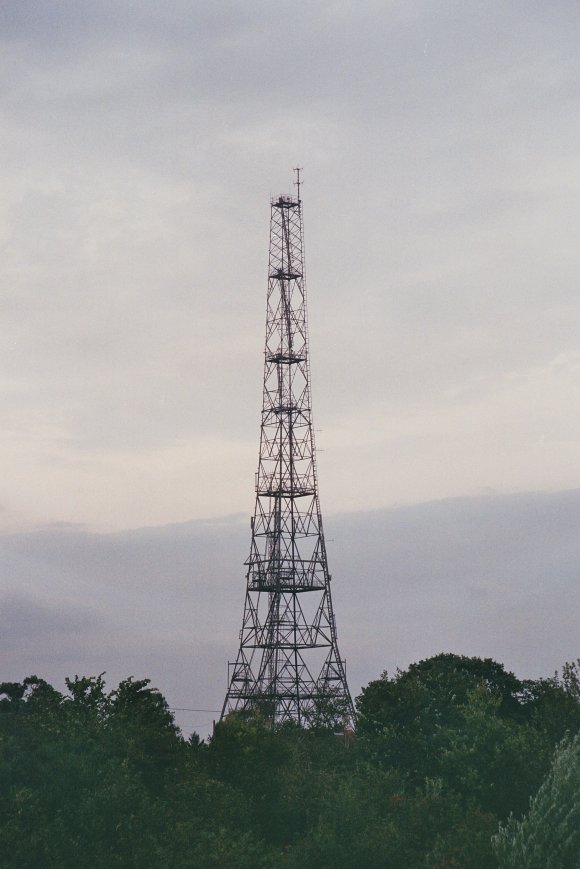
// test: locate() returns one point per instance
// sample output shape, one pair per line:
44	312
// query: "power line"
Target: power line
184	709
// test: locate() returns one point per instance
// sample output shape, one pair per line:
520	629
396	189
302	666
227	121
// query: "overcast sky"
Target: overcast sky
139	146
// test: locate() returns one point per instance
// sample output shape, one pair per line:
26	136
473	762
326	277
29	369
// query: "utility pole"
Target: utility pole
288	666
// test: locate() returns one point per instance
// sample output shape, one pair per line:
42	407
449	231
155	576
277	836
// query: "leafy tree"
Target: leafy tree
76	783
97	778
549	835
434	691
469	722
553	705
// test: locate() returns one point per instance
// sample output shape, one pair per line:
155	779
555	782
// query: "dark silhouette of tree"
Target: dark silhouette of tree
443	752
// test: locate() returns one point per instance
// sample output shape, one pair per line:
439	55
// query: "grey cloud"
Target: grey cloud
141	145
24	620
491	576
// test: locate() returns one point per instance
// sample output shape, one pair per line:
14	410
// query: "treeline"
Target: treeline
446	758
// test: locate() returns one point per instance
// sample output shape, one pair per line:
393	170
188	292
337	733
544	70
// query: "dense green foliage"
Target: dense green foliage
549	835
444	752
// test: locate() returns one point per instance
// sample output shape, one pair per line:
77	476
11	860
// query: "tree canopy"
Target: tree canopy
445	752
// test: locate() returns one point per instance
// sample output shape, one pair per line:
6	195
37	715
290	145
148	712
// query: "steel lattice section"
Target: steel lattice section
288	666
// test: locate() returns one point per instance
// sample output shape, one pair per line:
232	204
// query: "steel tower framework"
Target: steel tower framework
288	665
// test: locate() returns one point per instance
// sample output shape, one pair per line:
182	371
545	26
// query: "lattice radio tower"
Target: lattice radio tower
288	666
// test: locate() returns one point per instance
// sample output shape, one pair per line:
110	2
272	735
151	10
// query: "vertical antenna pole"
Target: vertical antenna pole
298	182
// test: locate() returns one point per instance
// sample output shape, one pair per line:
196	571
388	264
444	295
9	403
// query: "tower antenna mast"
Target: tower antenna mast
288	667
